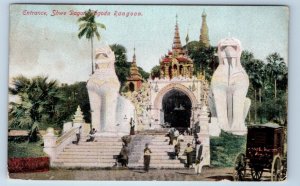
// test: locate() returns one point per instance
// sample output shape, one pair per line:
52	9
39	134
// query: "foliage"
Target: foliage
204	58
38	105
25	149
225	148
76	94
155	72
145	75
268	87
122	67
88	27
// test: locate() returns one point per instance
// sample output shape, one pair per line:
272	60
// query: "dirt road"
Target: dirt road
208	174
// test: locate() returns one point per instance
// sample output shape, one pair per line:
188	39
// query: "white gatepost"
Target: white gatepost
204	136
50	143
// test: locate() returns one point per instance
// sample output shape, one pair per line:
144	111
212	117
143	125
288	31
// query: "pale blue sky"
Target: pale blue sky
49	45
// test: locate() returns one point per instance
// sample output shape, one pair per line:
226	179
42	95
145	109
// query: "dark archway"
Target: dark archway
131	86
177	109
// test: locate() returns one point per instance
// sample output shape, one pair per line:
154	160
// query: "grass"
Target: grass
225	148
25	149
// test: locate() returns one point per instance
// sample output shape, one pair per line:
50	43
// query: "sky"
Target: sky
48	44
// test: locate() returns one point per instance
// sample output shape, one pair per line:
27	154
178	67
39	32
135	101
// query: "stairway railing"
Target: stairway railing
53	145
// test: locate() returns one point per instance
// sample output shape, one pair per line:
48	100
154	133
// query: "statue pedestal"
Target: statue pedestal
239	132
214	128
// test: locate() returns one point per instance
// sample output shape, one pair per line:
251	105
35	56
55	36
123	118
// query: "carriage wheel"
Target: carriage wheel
239	167
276	169
256	173
284	169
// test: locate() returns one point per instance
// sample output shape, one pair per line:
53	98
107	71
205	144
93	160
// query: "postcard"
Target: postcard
148	92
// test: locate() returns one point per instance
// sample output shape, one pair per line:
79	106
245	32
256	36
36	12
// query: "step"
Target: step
160	161
112	143
94	153
101	140
93	147
83	165
84	160
91	150
86	156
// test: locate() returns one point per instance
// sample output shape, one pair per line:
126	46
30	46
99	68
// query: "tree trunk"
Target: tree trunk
275	88
259	94
255	106
249	117
92	54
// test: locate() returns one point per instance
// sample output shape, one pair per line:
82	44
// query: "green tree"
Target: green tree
155	72
145	75
204	58
88	27
256	72
122	67
37	105
276	69
76	94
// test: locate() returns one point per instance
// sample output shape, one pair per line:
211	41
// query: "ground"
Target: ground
208	174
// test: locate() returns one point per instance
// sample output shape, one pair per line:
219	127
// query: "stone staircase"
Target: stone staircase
95	154
101	152
162	153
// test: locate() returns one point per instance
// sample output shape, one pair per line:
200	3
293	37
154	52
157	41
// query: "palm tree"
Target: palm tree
38	98
275	69
89	27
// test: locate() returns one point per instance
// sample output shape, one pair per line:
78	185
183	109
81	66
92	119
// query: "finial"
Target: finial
203	13
176	18
187	38
134	57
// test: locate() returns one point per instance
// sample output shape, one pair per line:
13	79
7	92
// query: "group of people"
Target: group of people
124	154
190	151
91	135
174	137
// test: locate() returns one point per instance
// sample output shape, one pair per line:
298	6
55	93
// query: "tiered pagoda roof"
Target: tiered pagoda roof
134	71
178	53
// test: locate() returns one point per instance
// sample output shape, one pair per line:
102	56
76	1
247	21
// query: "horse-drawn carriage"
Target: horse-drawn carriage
264	153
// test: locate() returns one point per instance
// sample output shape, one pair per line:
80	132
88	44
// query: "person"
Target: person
177	149
188	131
78	133
188	151
176	135
124	156
132	125
171	135
147	157
199	158
126	139
91	135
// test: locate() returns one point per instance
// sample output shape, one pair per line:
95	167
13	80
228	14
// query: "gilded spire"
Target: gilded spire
177	47
134	57
204	39
134	71
187	38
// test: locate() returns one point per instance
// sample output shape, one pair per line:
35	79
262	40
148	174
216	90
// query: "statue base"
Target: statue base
238	132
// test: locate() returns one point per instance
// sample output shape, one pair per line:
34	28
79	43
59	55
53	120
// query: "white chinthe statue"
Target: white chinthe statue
105	101
229	86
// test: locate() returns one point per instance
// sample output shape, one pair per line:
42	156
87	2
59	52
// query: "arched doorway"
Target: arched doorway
177	106
131	86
